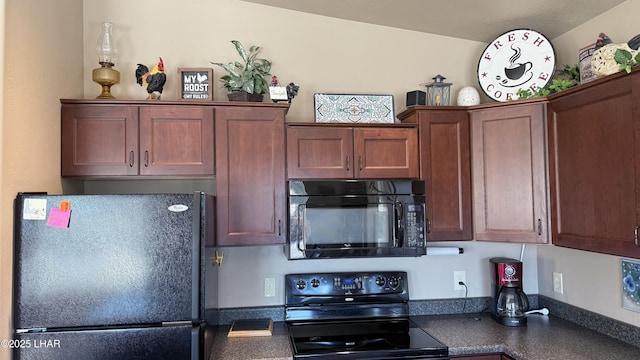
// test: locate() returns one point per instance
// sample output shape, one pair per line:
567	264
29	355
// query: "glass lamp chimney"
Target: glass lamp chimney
106	47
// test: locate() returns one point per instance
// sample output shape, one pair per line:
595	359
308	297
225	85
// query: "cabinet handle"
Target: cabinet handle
428	226
146	158
348	163
539	227
279	227
360	162
635	236
131	159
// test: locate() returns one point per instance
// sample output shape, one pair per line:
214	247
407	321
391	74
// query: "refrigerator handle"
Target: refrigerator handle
196	251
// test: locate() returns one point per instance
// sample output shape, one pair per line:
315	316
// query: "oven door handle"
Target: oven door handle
399	227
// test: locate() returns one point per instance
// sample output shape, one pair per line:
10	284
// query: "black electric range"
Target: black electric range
363	315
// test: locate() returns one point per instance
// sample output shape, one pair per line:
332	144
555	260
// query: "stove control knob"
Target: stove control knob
315	283
300	284
380	281
393	282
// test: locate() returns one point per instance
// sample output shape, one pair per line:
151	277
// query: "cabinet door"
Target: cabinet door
176	140
446	169
390	153
250	181
509	173
99	140
319	152
595	167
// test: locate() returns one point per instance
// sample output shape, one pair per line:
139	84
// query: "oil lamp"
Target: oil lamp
438	92
106	75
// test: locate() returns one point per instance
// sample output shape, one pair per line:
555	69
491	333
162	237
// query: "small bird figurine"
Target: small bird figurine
292	91
153	80
602	40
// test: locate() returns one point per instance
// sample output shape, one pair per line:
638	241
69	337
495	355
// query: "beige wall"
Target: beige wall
620	24
42	62
318	53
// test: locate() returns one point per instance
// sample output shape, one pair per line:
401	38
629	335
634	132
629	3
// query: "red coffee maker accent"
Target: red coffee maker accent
508	302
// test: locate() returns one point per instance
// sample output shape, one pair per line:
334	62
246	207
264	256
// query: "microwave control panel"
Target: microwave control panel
415	226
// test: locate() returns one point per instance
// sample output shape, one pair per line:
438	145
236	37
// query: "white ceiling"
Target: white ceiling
478	20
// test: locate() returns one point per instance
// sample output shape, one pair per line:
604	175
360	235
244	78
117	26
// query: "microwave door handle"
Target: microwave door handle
399	216
300	237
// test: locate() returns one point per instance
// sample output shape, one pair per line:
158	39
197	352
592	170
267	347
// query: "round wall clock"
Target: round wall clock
517	59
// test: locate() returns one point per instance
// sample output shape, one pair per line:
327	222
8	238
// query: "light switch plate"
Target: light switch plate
558	286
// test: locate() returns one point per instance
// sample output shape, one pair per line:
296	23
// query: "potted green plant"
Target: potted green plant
245	80
568	77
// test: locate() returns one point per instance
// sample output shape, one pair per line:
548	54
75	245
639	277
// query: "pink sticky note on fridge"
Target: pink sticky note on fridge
59	218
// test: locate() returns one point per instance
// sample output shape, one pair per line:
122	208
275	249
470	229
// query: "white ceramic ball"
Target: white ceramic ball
468	96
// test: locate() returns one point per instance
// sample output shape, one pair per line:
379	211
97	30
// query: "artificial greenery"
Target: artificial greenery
567	77
248	76
626	59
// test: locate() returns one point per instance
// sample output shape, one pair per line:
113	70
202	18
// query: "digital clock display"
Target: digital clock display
347	281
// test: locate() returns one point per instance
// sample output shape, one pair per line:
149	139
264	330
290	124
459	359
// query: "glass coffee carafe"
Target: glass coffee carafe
512	306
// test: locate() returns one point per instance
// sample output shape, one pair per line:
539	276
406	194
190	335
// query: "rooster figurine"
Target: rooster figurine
152	80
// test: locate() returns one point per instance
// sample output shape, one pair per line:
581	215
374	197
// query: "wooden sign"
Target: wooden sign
195	83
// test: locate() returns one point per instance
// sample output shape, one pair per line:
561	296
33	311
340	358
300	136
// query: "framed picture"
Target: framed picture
631	285
195	83
353	108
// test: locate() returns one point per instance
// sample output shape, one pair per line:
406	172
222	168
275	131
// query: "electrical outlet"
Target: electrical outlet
459	276
558	286
269	287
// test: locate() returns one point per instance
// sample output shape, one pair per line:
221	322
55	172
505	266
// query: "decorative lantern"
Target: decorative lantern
105	75
438	92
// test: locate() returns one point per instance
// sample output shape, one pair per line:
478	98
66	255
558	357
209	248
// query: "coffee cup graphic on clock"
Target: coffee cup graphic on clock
517	73
517	70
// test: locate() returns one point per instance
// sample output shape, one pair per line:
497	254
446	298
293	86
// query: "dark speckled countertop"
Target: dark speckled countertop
545	337
275	346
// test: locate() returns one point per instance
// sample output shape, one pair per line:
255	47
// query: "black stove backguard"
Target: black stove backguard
357	315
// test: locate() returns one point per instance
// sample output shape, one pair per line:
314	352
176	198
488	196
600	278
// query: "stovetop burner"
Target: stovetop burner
354	316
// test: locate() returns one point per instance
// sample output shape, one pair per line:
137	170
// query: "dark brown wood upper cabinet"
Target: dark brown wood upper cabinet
445	167
594	160
339	152
508	165
98	140
250	176
176	140
125	139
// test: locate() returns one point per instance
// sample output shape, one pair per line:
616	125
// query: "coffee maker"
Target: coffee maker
509	303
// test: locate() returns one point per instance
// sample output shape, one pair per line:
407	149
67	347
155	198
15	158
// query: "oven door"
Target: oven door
342	226
364	339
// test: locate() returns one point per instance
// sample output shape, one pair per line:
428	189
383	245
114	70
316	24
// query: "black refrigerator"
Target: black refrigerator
110	276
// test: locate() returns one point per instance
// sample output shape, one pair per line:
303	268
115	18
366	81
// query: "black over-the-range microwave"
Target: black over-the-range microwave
356	218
